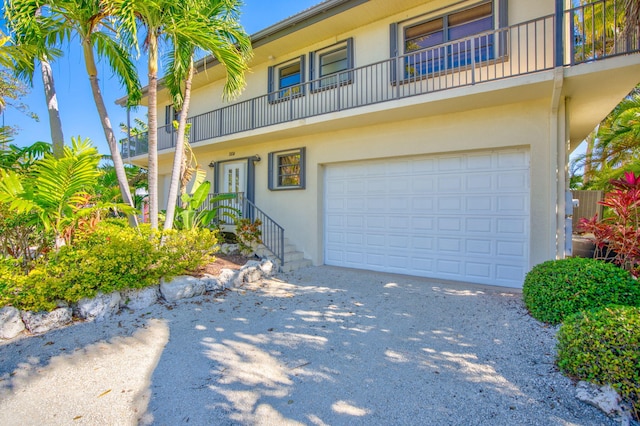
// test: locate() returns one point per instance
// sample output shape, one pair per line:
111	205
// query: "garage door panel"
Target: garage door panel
479	205
461	216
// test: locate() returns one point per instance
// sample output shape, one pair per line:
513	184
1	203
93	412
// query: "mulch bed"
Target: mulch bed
233	261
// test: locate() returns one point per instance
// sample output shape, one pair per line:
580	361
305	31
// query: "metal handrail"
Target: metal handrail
272	233
525	48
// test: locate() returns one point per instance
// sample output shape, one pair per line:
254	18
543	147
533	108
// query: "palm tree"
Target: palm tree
214	28
615	146
152	15
91	21
29	34
185	24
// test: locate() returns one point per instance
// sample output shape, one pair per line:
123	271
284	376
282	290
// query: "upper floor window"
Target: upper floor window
286	79
330	65
424	37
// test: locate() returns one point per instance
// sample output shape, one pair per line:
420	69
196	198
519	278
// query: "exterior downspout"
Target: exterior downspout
558	163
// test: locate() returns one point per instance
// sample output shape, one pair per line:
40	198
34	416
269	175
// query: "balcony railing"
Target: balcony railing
517	50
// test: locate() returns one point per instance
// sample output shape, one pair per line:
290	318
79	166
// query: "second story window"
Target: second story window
286	79
424	37
330	65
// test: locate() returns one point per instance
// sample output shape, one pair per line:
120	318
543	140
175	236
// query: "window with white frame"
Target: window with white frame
424	36
286	79
286	169
331	64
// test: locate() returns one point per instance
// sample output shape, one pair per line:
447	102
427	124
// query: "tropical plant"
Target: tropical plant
57	190
617	235
195	214
248	234
613	147
22	159
91	21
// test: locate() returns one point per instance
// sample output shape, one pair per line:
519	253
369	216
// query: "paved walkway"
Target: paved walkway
321	346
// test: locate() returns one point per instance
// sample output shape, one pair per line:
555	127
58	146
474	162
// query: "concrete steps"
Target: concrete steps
293	258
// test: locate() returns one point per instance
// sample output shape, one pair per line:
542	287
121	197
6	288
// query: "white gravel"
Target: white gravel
320	346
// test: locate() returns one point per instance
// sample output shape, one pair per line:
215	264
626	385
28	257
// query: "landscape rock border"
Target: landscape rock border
14	322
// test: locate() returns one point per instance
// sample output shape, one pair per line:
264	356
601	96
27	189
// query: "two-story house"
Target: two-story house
428	138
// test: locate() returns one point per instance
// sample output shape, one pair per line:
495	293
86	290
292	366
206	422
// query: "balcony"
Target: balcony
590	33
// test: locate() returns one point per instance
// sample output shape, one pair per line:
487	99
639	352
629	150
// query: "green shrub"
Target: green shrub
555	289
11	279
186	250
114	257
603	347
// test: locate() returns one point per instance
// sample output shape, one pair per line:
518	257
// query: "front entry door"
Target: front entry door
234	177
234	180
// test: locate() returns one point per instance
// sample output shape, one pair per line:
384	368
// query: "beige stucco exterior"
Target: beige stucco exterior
545	111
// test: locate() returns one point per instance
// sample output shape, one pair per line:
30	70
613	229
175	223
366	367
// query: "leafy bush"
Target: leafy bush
186	250
618	235
248	234
555	289
603	347
114	257
11	279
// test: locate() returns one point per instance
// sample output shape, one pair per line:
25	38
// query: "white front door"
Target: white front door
234	177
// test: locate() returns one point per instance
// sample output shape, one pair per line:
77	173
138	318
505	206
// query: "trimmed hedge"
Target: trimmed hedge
555	289
603	347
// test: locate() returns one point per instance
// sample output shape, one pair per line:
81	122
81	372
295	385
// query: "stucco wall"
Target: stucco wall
301	211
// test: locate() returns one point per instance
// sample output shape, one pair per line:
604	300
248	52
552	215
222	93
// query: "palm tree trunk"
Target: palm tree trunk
153	129
55	124
588	157
118	165
179	153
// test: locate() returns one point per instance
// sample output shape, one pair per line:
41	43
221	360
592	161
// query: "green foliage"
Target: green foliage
11	279
603	347
56	190
248	234
186	250
555	289
112	257
194	214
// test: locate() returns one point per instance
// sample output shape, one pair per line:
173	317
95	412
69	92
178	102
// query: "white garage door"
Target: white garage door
462	216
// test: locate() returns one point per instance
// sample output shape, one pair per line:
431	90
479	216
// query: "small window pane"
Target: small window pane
289	75
333	62
467	15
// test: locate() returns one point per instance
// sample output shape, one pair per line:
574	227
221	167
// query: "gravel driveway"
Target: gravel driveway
320	346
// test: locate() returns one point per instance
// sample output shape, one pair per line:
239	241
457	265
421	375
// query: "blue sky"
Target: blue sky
77	109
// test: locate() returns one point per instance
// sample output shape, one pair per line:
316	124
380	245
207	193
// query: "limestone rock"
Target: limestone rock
268	267
210	282
606	399
250	272
226	278
10	322
140	298
41	322
181	287
99	307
